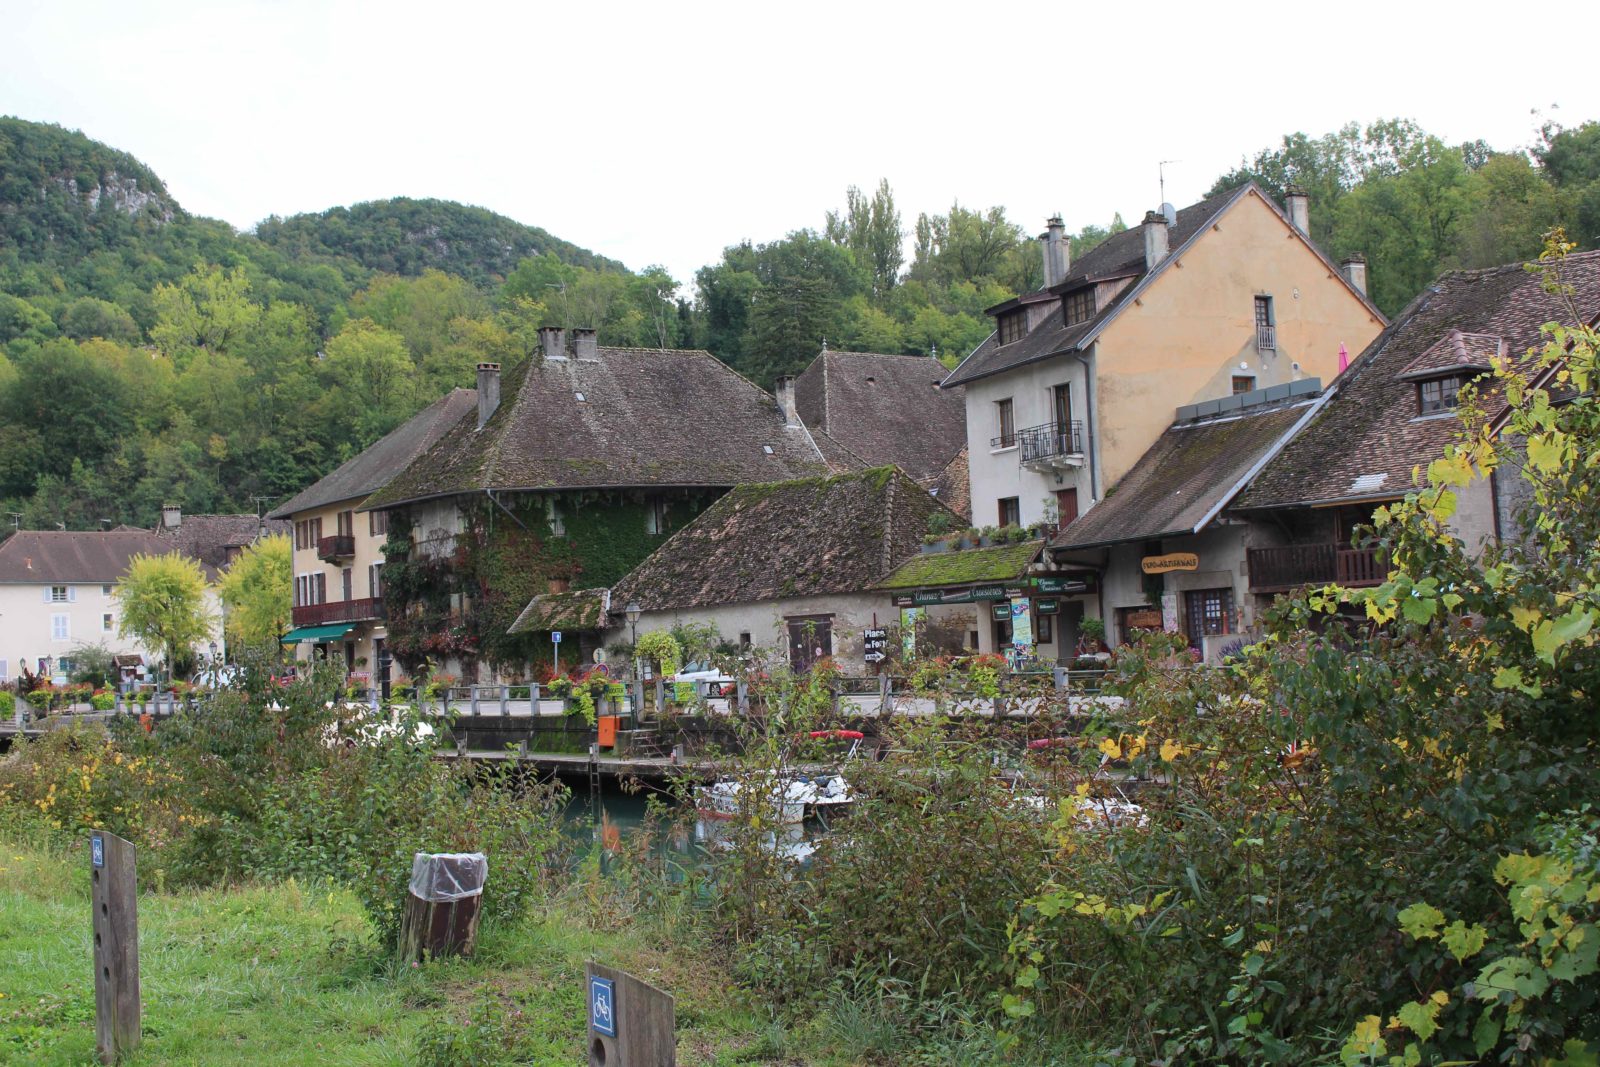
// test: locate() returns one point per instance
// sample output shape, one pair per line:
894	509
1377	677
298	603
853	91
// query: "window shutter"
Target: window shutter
47	594
72	594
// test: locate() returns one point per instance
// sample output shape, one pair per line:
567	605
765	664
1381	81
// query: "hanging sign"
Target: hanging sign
1172	561
1001	612
1069	584
958	596
1049	606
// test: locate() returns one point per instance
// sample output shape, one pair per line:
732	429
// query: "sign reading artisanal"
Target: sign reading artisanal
1172	561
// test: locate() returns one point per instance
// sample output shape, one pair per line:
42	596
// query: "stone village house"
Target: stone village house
338	554
1223	301
1231	507
595	458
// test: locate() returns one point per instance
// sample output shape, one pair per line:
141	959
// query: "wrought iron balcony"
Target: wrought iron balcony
1053	446
1286	567
369	609
1266	338
339	546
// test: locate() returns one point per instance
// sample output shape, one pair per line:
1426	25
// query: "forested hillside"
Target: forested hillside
148	356
404	236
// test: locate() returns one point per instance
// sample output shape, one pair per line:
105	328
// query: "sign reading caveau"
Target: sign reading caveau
1172	561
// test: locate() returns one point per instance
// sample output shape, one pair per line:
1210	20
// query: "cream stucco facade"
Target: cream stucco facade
45	622
340	582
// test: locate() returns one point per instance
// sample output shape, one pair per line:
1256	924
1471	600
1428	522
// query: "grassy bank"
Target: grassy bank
290	973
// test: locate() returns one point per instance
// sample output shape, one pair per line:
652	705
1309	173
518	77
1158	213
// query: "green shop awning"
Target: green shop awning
317	633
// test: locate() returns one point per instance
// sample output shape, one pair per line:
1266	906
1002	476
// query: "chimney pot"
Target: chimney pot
553	342
786	400
1057	252
488	391
1354	268
585	345
1156	239
1299	207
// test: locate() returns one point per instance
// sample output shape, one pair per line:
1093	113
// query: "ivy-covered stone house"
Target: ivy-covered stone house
594	458
793	566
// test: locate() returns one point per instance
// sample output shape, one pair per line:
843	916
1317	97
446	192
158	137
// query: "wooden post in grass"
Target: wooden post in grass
631	1022
114	893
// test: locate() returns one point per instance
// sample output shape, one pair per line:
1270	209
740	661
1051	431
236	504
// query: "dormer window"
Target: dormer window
1013	326
1439	394
1078	306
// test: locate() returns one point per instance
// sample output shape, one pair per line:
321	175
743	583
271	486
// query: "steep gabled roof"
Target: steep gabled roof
798	538
630	418
1185	478
1368	437
366	473
1120	256
885	409
207	538
954	485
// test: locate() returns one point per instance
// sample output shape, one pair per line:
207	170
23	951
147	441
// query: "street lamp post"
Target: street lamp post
632	611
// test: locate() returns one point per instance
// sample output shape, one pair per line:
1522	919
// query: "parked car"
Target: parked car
709	681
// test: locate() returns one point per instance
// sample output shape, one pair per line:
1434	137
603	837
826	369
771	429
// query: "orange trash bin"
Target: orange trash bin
608	731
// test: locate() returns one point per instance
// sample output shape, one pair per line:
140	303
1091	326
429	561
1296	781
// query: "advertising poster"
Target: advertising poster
909	617
1022	625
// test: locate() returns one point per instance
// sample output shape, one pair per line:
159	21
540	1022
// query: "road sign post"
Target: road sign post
114	895
874	646
555	641
630	1022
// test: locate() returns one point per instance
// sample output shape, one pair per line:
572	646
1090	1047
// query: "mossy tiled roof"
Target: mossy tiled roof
805	537
1000	563
576	609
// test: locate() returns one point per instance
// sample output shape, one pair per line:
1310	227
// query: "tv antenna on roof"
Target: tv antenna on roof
1161	175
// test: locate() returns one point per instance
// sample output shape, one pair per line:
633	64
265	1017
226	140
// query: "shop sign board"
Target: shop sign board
1172	561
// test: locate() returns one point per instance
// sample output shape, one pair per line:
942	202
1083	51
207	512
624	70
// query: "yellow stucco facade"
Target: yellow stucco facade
1193	328
340	601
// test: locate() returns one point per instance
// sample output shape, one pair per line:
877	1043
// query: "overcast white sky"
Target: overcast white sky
659	133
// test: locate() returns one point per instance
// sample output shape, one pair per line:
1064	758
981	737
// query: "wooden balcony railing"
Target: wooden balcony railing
339	546
367	610
1287	567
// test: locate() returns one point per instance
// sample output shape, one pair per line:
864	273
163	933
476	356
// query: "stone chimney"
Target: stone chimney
1354	268
1298	205
171	517
1156	239
553	342
488	391
1057	253
585	345
786	401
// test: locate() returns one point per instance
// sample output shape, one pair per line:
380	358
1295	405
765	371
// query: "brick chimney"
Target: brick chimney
488	391
553	342
585	345
1298	205
786	400
1156	239
1057	252
171	517
1354	268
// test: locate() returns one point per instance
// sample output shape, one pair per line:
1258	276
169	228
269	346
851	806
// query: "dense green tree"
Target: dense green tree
870	228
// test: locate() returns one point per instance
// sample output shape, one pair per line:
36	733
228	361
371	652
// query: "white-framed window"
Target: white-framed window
58	594
107	623
60	627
